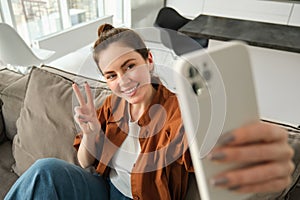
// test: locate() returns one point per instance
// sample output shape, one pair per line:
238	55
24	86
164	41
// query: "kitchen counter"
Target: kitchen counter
261	34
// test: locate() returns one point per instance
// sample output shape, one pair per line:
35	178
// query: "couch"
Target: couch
36	121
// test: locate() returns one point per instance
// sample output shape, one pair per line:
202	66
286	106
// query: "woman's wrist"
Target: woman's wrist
89	142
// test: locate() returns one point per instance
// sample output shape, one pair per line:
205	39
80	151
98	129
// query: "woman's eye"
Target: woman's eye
110	77
130	66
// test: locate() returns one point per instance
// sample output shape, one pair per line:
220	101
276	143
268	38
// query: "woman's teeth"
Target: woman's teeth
130	90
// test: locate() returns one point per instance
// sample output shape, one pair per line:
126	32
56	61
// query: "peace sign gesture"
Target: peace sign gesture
85	114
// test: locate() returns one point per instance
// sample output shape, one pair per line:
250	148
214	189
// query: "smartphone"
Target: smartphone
216	94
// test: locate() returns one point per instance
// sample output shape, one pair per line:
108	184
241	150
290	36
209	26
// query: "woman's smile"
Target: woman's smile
130	91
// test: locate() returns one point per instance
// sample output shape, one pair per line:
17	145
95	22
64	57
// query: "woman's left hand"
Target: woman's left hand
264	149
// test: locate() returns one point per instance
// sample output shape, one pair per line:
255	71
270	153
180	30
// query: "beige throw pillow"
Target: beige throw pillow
46	127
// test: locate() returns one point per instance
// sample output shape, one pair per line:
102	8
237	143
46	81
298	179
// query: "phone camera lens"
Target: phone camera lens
192	71
197	87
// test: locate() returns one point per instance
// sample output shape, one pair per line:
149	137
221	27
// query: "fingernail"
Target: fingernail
226	139
219	181
217	156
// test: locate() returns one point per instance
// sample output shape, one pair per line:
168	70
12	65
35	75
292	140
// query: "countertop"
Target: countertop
268	35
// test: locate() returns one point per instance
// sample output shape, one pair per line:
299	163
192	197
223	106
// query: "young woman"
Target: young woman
136	139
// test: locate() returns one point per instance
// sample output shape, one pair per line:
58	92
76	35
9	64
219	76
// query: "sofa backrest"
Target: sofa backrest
46	126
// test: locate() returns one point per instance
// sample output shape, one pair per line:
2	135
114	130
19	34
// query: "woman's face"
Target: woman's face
127	73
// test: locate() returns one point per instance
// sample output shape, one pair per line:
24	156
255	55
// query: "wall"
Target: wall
144	12
276	76
295	15
276	73
280	12
188	8
266	11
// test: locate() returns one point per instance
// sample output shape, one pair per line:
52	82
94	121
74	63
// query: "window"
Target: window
82	10
119	13
36	18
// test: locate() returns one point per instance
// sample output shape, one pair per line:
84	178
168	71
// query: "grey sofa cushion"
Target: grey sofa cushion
192	192
47	117
12	92
13	98
7	77
7	177
2	134
293	193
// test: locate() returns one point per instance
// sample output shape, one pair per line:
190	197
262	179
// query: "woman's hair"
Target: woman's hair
107	35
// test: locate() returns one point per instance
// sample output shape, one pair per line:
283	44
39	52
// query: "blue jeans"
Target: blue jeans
114	193
52	179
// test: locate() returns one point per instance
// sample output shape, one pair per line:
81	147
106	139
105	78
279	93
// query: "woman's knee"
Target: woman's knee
44	162
51	176
49	165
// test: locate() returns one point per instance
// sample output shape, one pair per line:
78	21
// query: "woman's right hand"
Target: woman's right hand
85	114
86	117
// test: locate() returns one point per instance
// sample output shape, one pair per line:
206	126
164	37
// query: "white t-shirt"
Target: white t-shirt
124	159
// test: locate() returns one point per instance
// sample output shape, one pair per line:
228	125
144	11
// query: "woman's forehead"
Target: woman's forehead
114	54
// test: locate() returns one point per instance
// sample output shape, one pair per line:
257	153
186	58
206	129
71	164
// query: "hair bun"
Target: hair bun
104	28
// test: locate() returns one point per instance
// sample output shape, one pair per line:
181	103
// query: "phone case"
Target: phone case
216	94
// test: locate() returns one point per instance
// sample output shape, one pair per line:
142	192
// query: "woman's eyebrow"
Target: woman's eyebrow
127	61
124	64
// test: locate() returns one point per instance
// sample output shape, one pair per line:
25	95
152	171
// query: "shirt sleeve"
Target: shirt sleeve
180	139
185	159
77	141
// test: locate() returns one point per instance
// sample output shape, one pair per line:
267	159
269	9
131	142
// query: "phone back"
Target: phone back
216	94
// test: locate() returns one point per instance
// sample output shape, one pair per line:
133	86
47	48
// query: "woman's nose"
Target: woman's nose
124	79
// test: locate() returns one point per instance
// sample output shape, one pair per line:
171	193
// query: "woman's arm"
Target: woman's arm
86	117
85	156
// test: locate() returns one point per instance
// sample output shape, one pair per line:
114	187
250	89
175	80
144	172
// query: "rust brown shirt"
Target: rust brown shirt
162	168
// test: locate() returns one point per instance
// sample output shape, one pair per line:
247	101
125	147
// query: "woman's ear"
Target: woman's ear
150	60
